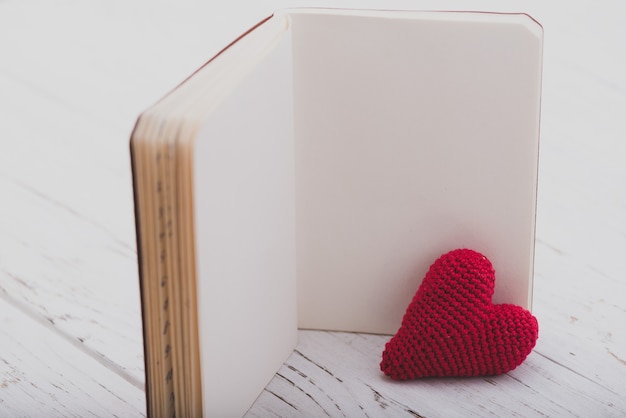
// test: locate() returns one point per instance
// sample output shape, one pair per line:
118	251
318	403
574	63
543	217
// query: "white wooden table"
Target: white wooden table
74	75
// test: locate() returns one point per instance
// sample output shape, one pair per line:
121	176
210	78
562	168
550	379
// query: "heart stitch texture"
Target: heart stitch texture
452	328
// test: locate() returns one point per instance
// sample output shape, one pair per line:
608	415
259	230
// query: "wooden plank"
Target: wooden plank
42	374
74	276
336	374
67	247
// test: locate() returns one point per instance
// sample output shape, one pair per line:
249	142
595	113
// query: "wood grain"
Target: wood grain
42	374
73	78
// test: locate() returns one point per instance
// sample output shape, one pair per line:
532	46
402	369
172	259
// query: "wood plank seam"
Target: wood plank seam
76	342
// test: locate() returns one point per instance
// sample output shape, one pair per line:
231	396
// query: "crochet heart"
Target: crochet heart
451	327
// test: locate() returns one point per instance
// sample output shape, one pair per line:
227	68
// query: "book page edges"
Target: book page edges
176	120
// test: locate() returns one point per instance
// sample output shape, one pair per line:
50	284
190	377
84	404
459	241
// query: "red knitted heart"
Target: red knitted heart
451	328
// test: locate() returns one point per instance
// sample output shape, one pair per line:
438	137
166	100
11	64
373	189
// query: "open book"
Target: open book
308	175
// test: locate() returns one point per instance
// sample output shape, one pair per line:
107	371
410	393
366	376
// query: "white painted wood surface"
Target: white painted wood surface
74	76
